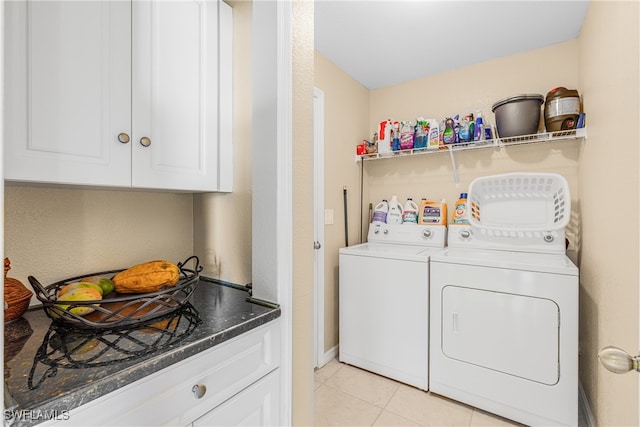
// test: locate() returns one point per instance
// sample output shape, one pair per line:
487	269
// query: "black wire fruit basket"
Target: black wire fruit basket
65	348
118	310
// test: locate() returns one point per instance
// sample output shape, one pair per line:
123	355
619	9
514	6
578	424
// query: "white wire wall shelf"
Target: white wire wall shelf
496	143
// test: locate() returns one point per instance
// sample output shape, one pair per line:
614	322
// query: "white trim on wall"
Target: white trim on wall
585	407
331	354
2	161
318	223
272	199
284	206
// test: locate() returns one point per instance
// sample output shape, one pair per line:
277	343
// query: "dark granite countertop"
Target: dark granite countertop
48	368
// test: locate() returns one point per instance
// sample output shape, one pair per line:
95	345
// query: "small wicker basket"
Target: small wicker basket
16	296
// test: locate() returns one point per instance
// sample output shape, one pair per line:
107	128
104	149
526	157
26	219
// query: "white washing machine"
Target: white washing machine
504	325
384	301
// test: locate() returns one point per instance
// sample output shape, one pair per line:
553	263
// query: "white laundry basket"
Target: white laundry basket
519	202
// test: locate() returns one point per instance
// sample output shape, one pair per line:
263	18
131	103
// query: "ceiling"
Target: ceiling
381	43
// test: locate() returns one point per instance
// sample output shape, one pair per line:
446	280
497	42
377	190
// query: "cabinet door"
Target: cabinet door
176	94
67	91
257	405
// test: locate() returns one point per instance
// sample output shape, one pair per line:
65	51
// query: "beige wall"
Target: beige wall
302	186
346	115
222	221
463	91
54	233
609	189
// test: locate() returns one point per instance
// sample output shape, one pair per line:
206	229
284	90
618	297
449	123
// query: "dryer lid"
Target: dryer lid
543	263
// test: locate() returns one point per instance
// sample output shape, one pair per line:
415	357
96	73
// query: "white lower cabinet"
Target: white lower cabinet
257	405
234	383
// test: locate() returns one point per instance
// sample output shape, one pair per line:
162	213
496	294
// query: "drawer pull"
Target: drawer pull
199	390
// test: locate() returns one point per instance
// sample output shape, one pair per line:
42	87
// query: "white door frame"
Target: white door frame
272	154
2	159
284	205
318	224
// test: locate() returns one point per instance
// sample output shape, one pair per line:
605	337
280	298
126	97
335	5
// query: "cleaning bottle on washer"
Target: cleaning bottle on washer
394	216
460	214
432	212
410	212
380	213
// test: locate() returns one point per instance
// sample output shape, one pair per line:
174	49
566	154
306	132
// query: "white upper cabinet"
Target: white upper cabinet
176	94
118	93
67	92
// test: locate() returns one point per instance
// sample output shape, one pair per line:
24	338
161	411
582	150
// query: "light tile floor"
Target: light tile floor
348	396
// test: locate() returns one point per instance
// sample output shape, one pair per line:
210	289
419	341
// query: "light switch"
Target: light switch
328	217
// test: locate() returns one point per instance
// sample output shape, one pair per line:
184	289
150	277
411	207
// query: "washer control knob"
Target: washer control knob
465	234
427	234
548	238
376	231
386	231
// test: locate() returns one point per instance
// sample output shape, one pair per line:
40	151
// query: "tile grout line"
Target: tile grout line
381	409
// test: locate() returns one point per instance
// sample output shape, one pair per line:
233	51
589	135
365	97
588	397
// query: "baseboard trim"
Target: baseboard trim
329	356
585	407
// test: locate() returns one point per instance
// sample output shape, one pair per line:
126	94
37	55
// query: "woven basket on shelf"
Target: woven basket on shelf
16	296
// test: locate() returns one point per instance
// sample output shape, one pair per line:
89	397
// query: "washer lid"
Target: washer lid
383	250
544	263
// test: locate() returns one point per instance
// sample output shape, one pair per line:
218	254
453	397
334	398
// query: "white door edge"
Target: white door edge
318	224
2	158
284	205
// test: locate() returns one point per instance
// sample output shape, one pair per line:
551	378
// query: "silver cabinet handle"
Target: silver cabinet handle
199	390
123	137
316	245
618	361
145	142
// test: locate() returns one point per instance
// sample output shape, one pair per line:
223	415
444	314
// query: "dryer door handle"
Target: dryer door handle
618	361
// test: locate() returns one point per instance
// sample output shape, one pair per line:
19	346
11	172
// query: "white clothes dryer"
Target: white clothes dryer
384	301
504	326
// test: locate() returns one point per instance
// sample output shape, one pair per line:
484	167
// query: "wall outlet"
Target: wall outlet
328	217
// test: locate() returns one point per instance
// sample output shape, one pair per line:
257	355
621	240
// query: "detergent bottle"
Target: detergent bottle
478	134
448	136
460	214
380	212
410	212
463	130
420	137
395	137
432	212
394	216
384	136
433	138
406	135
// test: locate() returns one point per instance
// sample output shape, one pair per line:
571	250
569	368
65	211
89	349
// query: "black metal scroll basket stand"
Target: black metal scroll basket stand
115	310
65	348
